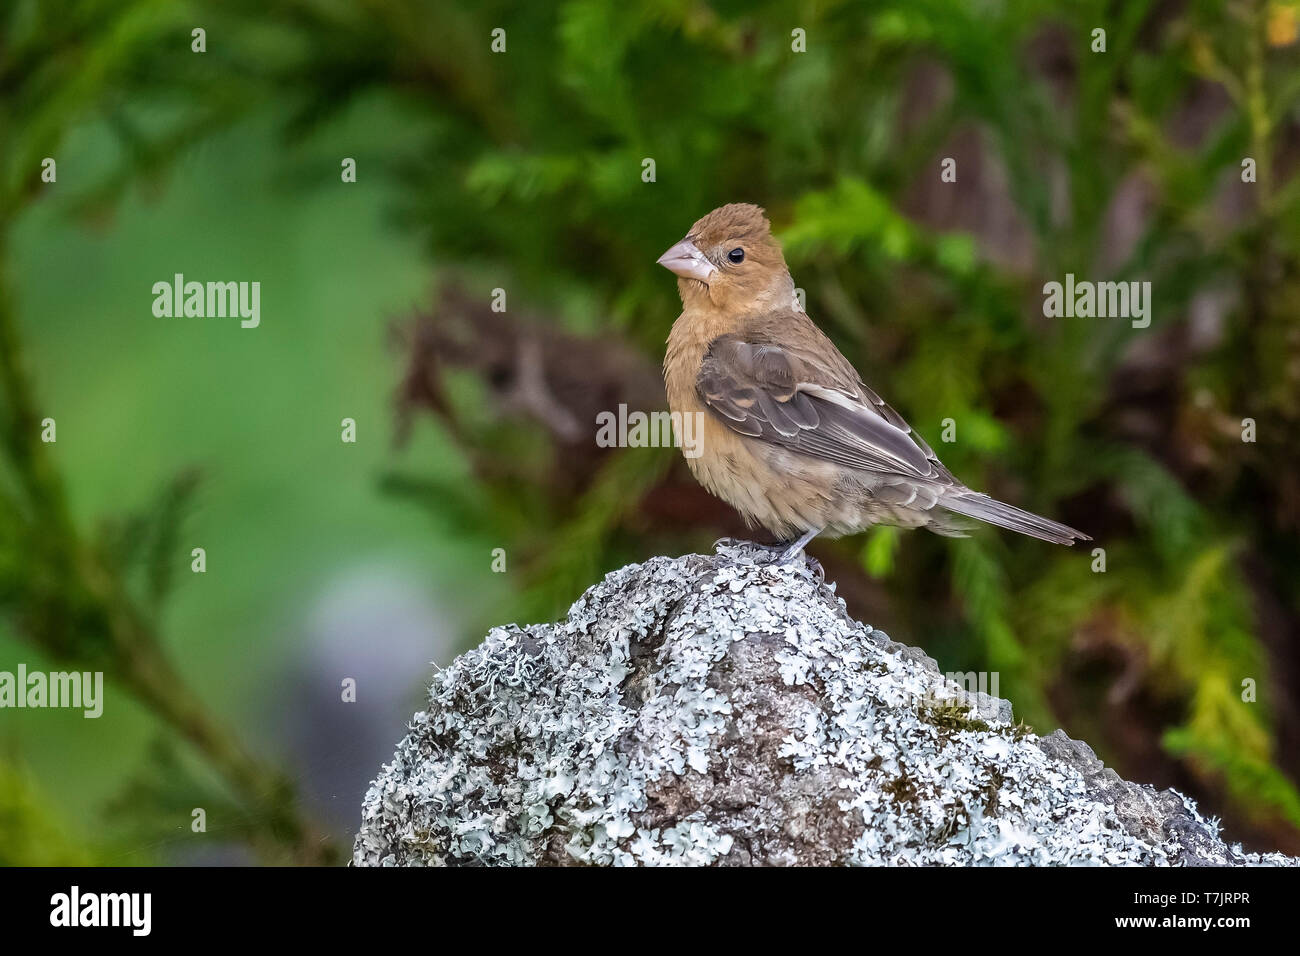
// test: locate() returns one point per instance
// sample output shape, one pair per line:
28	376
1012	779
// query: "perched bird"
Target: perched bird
789	434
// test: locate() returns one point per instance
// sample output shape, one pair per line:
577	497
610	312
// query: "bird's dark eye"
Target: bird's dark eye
736	255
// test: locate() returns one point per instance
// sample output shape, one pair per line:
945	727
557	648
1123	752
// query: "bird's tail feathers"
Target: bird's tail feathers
975	505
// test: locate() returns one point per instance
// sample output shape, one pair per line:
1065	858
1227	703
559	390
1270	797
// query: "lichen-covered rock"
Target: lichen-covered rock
725	710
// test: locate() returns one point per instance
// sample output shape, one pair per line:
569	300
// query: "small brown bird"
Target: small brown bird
789	434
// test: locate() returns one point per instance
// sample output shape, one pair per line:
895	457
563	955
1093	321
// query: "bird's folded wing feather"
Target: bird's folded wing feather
809	400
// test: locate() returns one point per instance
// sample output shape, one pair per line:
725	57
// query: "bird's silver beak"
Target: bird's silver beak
687	261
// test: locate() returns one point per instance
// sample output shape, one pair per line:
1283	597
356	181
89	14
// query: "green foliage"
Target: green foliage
72	598
879	552
30	834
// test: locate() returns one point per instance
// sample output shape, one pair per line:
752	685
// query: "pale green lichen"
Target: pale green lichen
725	710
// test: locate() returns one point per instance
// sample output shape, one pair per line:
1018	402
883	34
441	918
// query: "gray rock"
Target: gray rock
724	710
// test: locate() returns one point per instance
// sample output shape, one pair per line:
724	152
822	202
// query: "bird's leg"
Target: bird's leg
797	545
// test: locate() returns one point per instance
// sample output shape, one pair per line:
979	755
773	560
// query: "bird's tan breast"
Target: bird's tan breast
769	486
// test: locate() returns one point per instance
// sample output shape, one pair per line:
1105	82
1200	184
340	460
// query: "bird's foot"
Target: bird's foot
783	552
744	543
794	548
788	553
793	553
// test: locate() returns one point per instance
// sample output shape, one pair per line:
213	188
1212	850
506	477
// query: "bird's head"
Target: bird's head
731	260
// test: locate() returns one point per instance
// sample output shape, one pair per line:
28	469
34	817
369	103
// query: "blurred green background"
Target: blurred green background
523	170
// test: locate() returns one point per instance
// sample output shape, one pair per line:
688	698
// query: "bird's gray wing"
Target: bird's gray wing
810	401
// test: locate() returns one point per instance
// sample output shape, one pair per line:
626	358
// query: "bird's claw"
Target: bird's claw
743	543
789	555
781	553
